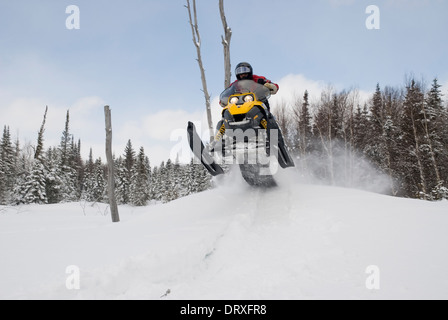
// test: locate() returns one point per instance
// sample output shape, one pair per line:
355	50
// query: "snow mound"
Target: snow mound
296	241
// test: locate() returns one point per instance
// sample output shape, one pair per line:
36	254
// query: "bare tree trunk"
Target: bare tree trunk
110	166
226	44
197	43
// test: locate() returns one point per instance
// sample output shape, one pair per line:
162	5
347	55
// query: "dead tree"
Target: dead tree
226	45
197	43
110	166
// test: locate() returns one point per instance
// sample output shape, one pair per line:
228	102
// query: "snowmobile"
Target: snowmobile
247	135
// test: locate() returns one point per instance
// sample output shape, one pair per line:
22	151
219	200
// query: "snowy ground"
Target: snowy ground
297	241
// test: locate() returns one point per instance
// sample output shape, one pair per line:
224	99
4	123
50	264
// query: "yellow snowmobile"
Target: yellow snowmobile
247	135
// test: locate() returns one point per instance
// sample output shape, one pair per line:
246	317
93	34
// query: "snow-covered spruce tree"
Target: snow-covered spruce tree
3	196
77	164
205	179
360	128
129	157
122	182
382	132
413	134
376	150
98	182
140	188
305	128
160	189
7	167
23	162
33	189
124	174
199	178
170	188
156	182
391	136
69	176
435	126
182	179
88	181
53	184
94	183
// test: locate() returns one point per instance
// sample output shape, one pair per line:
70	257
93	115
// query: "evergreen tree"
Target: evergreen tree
68	173
391	134
40	137
122	182
53	181
129	156
21	168
156	182
361	128
305	126
98	183
181	178
3	195
89	180
140	188
303	132
170	190
416	183
192	186
124	174
33	189
435	124
7	167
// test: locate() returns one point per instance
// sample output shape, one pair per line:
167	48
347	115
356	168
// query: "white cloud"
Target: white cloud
24	116
159	126
293	87
162	134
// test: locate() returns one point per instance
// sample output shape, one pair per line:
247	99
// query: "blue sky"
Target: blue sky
137	56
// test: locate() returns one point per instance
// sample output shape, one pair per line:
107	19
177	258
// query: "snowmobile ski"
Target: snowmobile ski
197	146
284	159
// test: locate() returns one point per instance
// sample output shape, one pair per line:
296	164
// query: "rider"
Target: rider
244	71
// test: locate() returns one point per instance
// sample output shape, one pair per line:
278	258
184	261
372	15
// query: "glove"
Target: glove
271	87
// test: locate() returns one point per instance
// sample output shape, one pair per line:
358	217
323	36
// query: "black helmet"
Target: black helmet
243	67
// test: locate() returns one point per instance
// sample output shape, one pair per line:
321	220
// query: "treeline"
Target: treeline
59	174
400	132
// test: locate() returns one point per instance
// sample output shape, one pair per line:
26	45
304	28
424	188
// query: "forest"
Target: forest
400	132
59	174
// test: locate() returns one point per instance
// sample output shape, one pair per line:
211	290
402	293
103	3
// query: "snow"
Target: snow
297	241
